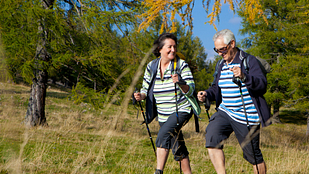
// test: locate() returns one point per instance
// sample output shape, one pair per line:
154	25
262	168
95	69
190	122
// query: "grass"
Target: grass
80	139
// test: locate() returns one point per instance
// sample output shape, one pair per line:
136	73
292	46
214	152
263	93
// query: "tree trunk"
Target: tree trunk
276	107
35	115
307	132
36	107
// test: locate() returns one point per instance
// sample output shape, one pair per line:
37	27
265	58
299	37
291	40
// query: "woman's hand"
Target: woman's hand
201	95
175	78
139	96
183	86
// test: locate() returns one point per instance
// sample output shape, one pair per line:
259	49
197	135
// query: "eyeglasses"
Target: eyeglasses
222	50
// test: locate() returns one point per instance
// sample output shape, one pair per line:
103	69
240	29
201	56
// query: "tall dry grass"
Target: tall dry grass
80	139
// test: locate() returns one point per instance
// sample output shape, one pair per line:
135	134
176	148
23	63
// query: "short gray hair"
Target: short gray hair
227	35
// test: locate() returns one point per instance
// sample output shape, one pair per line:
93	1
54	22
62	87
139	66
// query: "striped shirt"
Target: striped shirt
231	98
164	90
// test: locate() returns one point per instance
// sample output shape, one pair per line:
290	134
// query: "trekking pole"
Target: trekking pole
177	110
133	102
237	81
150	137
176	105
207	106
177	120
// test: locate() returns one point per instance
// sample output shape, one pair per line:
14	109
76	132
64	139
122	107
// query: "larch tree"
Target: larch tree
36	107
25	36
169	9
70	40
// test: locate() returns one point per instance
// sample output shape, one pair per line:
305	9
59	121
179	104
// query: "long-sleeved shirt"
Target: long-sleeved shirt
164	90
255	83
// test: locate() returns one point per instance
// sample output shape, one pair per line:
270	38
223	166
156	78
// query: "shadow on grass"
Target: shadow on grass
293	116
13	91
57	95
48	94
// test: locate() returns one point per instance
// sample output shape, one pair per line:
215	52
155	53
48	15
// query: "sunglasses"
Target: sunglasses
222	50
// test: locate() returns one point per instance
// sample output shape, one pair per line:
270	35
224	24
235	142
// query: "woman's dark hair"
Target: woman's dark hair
159	43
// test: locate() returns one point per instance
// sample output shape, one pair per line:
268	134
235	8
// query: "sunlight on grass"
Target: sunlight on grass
80	139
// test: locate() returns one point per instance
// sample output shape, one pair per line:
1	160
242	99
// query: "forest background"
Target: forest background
96	51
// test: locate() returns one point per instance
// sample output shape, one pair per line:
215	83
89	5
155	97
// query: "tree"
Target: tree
69	41
25	38
283	42
36	106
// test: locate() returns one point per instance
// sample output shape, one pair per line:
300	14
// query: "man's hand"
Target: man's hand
237	72
139	96
201	95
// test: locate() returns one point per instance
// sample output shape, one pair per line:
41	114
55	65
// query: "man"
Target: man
231	116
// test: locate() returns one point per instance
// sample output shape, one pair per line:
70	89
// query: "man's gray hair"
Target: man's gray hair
226	34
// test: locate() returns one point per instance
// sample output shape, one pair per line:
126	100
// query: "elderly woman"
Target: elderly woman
172	116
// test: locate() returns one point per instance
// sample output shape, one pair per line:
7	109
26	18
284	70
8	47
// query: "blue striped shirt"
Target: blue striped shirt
231	98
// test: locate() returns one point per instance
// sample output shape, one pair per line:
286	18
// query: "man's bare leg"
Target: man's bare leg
218	160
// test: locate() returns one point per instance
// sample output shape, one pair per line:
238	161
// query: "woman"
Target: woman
170	135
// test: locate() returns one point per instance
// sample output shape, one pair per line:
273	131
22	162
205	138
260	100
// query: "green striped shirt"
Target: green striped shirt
164	90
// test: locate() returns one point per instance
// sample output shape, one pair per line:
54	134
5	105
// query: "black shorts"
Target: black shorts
171	137
220	127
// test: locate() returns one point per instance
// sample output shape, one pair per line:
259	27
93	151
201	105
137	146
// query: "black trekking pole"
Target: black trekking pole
237	81
177	121
177	114
150	137
207	106
176	105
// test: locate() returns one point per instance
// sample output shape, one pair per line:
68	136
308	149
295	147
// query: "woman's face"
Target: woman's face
168	51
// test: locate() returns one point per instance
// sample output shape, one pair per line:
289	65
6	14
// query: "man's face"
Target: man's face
224	50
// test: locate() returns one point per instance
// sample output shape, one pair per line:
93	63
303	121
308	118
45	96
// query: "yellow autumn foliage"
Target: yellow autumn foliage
169	8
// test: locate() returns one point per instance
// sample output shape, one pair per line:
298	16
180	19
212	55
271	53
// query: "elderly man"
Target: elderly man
240	104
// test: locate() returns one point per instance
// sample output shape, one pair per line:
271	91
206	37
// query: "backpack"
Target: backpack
264	65
151	108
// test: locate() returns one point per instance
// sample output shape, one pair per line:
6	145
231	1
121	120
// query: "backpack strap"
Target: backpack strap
246	64
245	59
151	108
175	65
153	69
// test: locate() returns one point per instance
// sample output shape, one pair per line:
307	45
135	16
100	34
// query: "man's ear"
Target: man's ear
233	43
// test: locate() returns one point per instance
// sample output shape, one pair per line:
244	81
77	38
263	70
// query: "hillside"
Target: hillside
80	139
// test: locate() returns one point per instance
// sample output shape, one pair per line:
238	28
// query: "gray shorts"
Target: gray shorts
220	127
170	136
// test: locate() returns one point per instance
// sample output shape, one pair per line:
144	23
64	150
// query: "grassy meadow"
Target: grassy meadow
80	139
